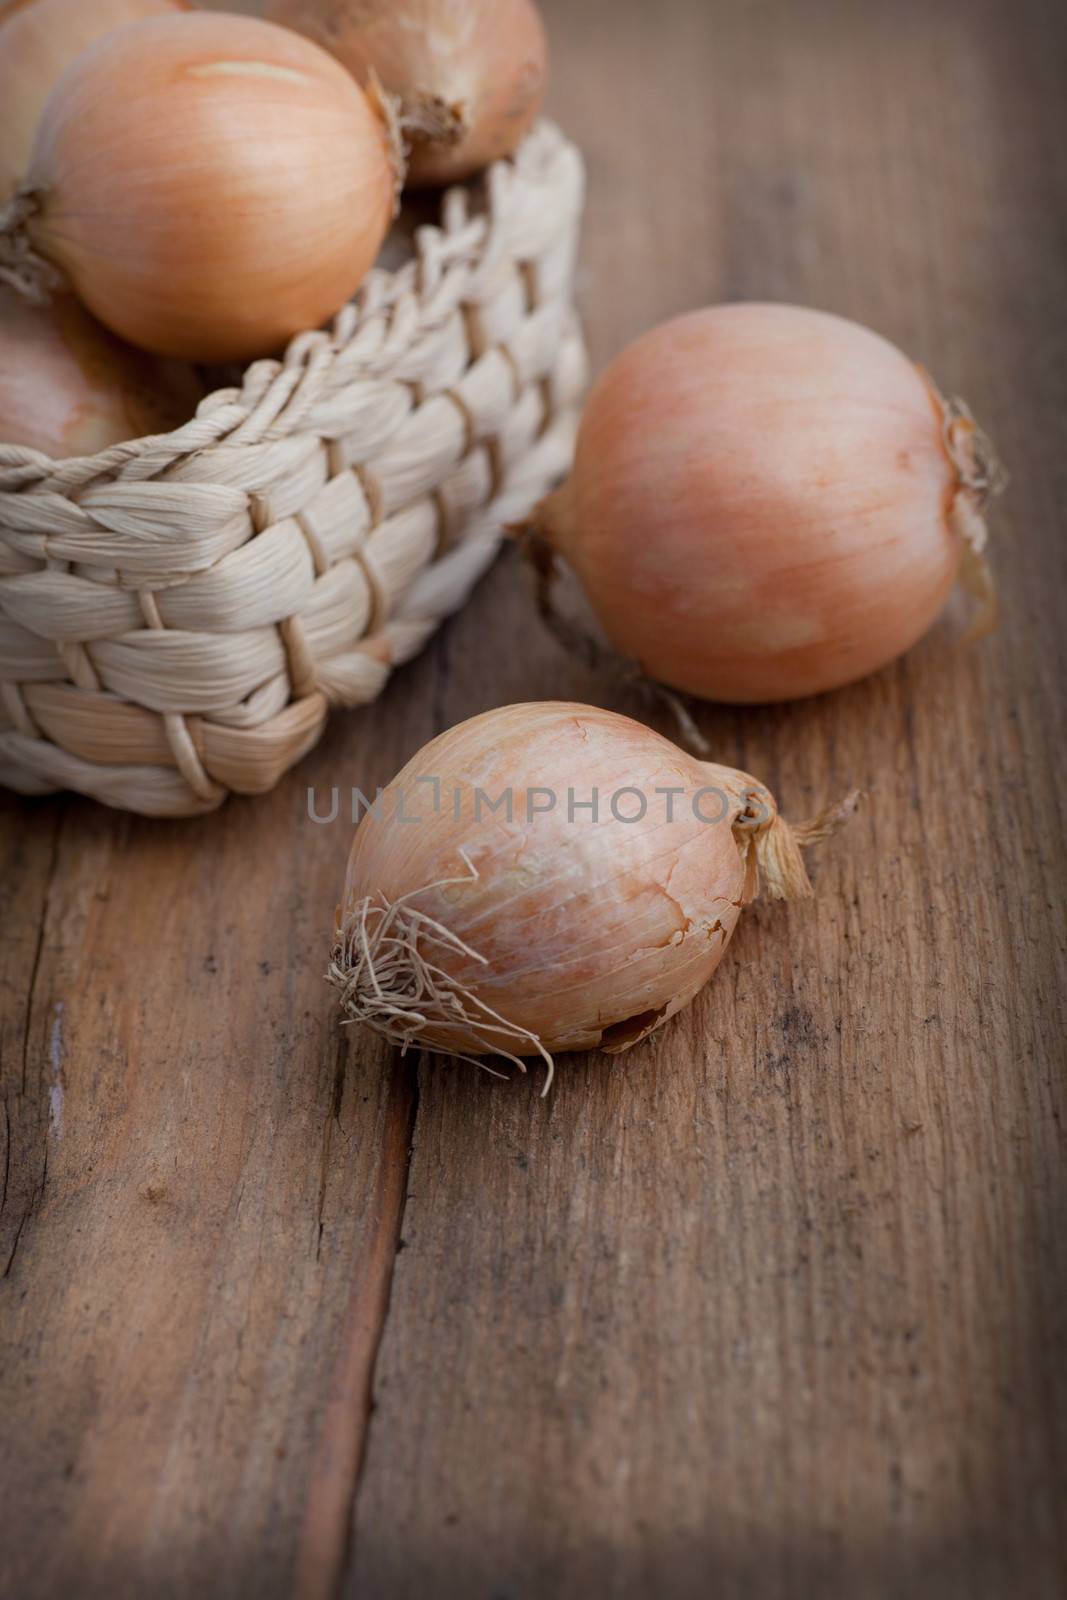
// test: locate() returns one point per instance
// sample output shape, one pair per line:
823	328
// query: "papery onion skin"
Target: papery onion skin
69	388
475	67
583	926
763	505
38	41
591	932
210	185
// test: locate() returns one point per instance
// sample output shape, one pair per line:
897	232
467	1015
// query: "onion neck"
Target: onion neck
427	119
979	476
21	268
771	847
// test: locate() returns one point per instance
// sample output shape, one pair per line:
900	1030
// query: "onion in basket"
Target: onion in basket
767	502
68	388
38	41
469	74
552	877
209	185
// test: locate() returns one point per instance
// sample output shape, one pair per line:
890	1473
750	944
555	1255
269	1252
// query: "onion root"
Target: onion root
388	982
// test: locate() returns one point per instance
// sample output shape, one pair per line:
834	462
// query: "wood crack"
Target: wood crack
30	988
7	1154
327	1139
337	1465
405	1066
13	1186
18	1235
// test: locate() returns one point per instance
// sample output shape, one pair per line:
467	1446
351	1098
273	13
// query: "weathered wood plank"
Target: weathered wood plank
190	1321
770	1306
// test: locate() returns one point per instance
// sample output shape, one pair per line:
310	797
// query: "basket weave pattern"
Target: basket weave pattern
178	614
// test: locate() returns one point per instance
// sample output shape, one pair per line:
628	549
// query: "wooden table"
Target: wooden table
773	1306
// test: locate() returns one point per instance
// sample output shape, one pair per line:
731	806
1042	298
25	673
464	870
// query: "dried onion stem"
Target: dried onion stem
980	476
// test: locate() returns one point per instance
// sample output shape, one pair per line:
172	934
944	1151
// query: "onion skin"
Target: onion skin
38	41
591	932
763	504
471	72
68	388
210	185
575	920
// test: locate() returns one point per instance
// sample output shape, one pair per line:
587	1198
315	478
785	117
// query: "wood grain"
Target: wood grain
776	1304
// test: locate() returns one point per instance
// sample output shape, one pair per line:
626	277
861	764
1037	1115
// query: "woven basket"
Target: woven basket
178	614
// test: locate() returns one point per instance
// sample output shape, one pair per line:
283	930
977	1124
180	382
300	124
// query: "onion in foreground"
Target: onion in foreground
552	877
210	185
38	41
768	502
68	388
469	74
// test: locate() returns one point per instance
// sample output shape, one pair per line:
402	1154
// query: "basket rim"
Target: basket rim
260	407
180	613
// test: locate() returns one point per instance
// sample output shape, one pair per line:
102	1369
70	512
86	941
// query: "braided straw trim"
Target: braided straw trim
179	613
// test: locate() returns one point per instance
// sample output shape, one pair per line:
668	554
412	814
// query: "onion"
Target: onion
767	502
38	41
209	185
67	388
545	928
469	74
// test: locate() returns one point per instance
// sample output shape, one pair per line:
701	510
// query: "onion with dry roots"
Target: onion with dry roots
209	185
469	74
489	909
68	388
768	502
38	41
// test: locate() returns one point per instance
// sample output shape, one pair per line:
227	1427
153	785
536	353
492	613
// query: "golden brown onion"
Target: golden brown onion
69	388
38	41
488	908
209	185
469	74
767	502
